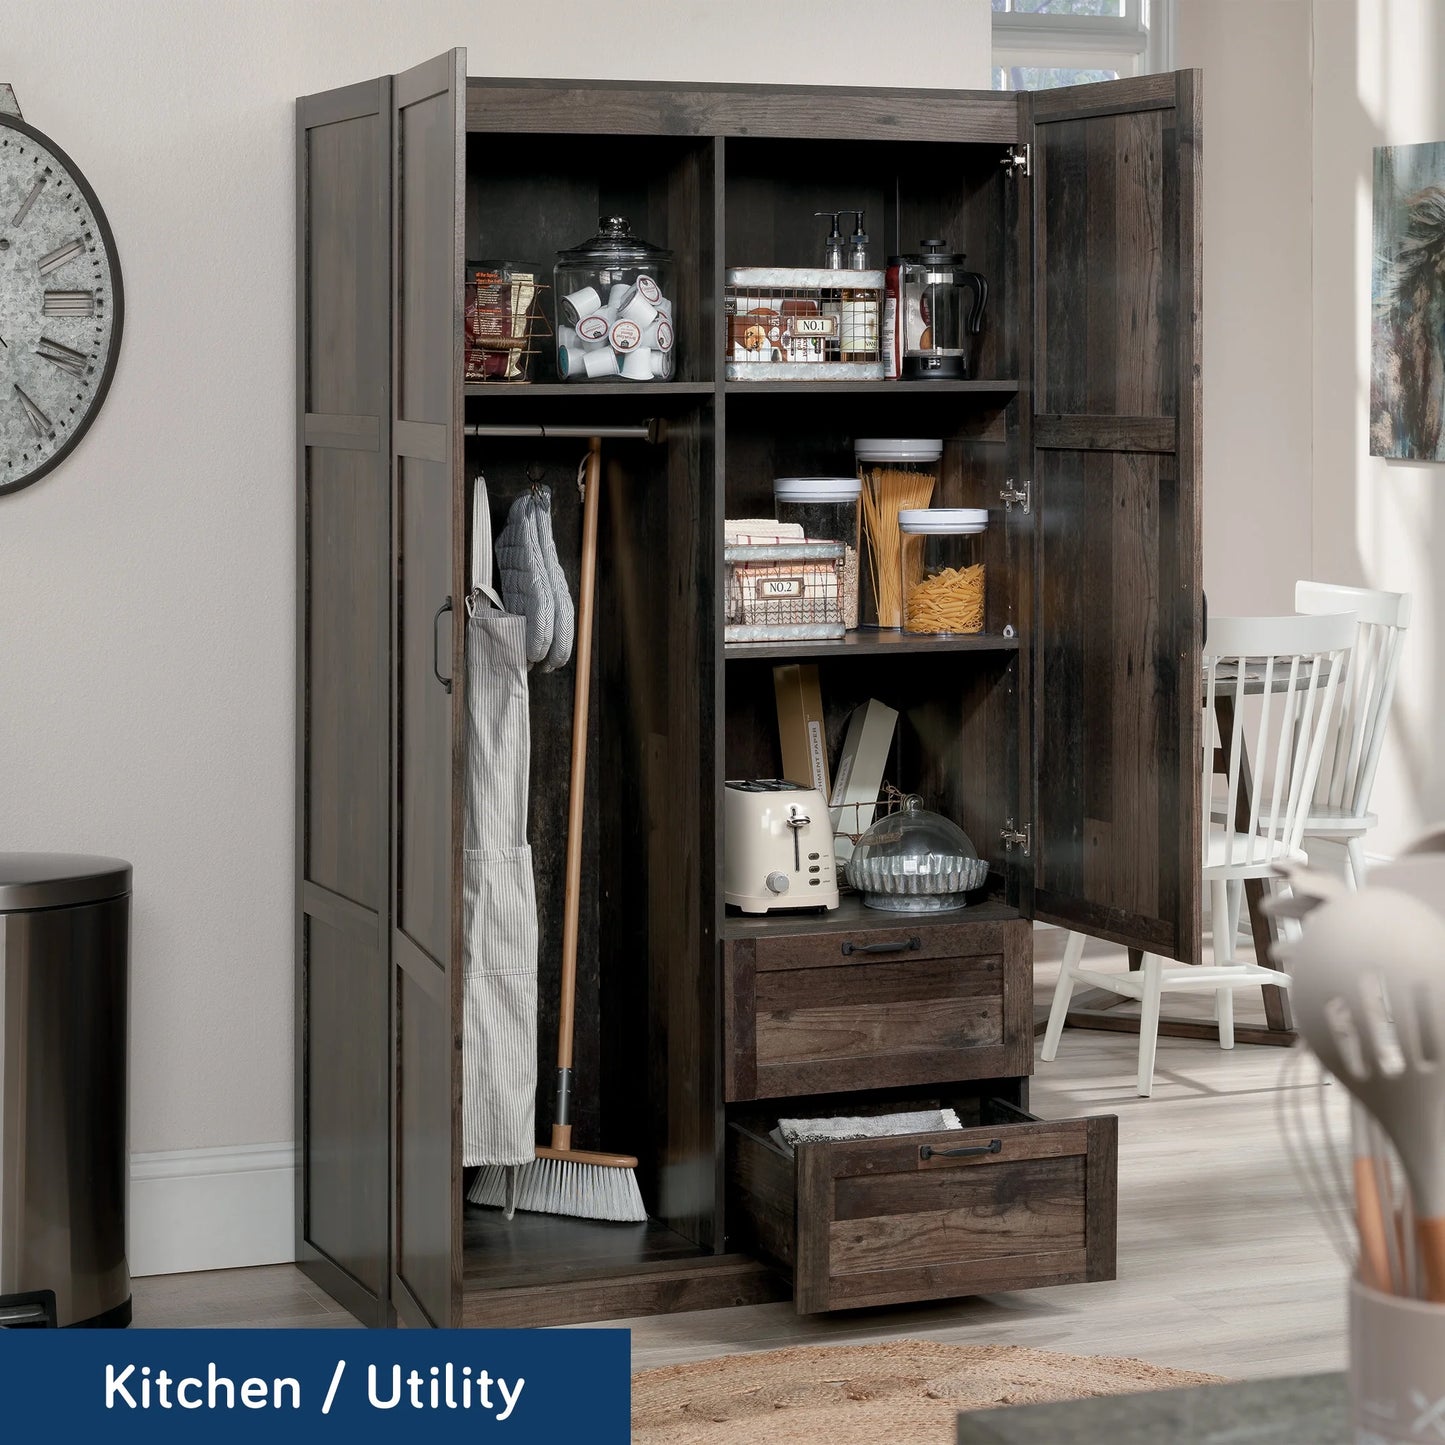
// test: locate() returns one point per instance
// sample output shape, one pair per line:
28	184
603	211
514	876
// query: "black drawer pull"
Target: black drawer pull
927	1151
904	945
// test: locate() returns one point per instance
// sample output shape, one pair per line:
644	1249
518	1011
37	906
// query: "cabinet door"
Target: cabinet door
1116	501
427	618
343	305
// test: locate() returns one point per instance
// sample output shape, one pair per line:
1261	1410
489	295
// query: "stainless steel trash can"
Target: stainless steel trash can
64	991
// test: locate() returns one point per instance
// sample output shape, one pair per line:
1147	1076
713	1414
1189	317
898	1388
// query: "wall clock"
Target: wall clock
61	304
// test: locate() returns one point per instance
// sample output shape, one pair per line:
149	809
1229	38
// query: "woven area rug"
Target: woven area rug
902	1392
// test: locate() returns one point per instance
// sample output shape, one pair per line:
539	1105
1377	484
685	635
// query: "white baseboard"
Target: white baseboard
212	1208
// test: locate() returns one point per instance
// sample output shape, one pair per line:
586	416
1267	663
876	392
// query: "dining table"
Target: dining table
1094	1008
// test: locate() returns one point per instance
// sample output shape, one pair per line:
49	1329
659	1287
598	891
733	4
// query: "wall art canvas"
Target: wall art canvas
1407	373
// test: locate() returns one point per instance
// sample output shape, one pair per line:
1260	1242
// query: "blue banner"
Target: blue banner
316	1385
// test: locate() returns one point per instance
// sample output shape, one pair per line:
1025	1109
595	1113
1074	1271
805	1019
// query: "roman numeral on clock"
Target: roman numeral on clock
69	303
29	201
38	419
75	362
59	256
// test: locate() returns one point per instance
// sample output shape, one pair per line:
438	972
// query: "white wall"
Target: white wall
1257	296
1375	522
146	588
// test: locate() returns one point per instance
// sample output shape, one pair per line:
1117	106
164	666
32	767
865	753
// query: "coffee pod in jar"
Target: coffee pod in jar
602	362
649	290
665	334
566	336
664	306
626	335
637	365
636	307
661	364
592	331
616	297
579	304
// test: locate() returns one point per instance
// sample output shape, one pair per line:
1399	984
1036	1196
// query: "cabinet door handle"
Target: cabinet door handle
903	945
436	668
927	1151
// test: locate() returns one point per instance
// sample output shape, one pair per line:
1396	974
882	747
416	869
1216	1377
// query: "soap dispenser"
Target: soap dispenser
833	246
858	245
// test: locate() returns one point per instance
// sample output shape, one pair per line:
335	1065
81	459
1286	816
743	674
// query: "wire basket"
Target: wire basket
506	326
783	590
802	323
848	821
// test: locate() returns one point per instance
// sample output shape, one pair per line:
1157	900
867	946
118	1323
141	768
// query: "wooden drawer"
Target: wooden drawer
915	1003
1013	1203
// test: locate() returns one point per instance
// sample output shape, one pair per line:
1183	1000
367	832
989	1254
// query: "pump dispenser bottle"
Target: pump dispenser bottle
833	246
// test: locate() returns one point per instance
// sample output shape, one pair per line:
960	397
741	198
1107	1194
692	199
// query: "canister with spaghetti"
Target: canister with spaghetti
897	474
941	562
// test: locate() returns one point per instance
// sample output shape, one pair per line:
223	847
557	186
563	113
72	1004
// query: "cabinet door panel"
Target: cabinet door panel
428	731
343	320
1117	510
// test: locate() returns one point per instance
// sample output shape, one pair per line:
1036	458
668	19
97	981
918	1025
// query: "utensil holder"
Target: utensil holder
1397	1368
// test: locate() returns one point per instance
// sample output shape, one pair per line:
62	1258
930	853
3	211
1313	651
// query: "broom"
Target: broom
561	1179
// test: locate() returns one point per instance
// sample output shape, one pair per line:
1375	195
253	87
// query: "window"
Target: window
1038	44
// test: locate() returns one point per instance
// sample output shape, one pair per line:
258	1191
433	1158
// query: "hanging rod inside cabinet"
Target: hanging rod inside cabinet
651	430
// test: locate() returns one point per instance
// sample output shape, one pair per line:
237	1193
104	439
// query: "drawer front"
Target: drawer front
890	1221
822	1013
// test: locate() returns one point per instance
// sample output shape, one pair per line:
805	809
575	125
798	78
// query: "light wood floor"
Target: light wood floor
1223	1265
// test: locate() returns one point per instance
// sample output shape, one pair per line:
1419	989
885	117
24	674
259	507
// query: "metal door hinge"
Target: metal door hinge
1011	837
1011	494
1018	160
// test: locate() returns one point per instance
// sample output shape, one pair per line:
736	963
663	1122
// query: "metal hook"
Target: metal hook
535	473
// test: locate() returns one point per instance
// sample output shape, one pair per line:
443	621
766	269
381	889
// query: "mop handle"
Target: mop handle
577	799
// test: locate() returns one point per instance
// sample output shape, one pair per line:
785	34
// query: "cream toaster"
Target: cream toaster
778	847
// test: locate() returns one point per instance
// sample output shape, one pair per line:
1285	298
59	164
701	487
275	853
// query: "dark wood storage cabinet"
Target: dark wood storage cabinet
1064	738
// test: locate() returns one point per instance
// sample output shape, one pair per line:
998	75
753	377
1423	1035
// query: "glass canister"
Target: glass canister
941	559
897	473
614	307
826	508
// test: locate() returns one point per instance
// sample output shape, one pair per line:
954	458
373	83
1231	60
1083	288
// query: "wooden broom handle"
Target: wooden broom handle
577	795
1430	1234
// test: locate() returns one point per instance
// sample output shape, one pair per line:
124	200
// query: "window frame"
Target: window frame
1139	42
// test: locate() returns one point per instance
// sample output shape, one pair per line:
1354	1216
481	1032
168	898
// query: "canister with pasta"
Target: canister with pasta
941	564
897	473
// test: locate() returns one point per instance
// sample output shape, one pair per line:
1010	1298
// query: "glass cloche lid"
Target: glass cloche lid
915	861
613	245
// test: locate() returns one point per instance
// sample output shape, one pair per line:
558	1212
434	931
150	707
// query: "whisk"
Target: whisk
1349	1175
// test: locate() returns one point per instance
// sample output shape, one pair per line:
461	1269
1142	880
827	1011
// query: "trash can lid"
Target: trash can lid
59	880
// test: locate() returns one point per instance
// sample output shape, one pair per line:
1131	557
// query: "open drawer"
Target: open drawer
1010	1203
872	1004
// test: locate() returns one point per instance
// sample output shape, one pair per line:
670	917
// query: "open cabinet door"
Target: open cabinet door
428	620
343	832
1116	501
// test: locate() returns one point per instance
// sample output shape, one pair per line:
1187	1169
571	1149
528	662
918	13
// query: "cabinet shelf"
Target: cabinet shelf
515	391
851	916
873	642
872	388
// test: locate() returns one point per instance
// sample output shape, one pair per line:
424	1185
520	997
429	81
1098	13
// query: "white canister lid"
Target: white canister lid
902	449
816	489
943	521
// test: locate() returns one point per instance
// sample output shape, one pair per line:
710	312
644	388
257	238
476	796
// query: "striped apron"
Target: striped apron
499	919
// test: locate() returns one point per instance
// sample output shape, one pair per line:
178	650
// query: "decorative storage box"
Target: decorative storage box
802	323
783	590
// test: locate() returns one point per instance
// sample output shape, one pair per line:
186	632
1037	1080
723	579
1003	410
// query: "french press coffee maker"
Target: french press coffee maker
942	307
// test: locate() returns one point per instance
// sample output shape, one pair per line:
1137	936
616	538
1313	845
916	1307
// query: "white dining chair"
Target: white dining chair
1269	688
1340	813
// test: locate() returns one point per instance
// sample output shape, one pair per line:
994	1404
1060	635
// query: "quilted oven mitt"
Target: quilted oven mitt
564	629
526	586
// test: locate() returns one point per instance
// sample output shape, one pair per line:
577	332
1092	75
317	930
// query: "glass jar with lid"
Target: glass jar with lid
826	508
941	564
615	315
915	861
896	473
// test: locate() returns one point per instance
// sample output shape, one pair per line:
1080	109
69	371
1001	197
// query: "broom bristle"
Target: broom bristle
563	1186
